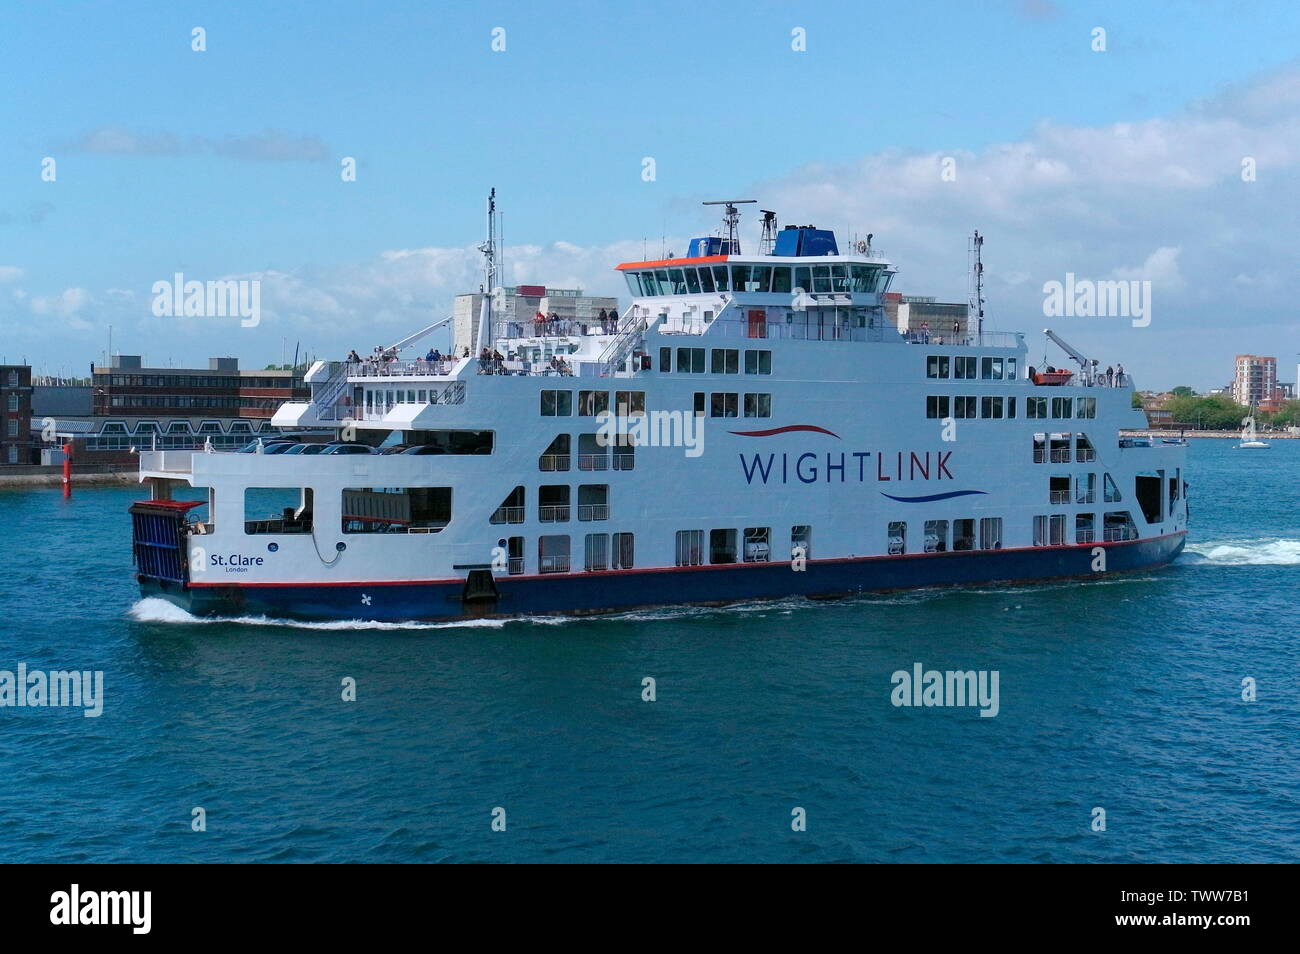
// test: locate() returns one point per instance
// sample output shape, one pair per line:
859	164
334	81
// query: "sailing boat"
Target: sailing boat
1248	436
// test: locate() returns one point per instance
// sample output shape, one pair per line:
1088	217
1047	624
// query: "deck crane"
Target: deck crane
1086	365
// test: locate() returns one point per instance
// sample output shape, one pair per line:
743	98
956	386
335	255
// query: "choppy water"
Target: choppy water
1122	693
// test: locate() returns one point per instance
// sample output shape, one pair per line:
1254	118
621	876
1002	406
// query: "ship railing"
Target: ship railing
1060	496
593	462
1060	456
629	337
553	564
515	566
390	369
553	462
593	511
624	460
507	515
453	393
553	513
561	328
1114	534
1084	536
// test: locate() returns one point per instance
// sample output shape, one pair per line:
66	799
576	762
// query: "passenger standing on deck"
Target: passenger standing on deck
925	332
1110	376
1119	375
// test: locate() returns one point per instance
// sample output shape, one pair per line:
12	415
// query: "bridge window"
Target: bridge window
706	280
553	554
740	278
692	281
936	536
781	280
720	277
396	510
676	282
821	278
634	284
277	510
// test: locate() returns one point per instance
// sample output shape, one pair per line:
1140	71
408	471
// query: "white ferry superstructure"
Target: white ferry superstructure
750	427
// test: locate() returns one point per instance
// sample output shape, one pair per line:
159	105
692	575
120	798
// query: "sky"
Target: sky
227	162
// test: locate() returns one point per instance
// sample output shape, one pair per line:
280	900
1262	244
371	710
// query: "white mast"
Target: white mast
486	334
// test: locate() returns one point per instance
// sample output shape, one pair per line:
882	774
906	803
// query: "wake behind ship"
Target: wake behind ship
750	427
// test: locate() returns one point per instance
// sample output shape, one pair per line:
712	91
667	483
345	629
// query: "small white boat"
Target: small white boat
1249	440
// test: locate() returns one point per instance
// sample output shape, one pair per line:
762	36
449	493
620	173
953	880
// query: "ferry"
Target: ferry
749	427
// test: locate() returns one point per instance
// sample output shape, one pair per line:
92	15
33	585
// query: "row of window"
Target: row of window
555	504
777	279
729	404
600	551
721	361
727	545
1081	489
1060	448
935	537
1050	529
970	367
590	403
1004	407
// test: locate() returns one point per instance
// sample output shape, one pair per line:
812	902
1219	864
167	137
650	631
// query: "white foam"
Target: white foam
154	610
1246	553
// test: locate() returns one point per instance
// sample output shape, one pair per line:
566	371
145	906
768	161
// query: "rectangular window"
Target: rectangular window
991	407
1119	526
1084	529
936	366
596	552
1085	488
629	403
725	361
665	359
396	510
990	533
553	503
1011	369
758	547
557	403
553	554
964	407
690	547
699	404
690	360
591	403
1087	407
936	536
937	406
897	538
722	546
593	502
723	405
1035	407
277	509
963	534
963	368
758	361
758	405
1011	407
801	541
1061	407
622	557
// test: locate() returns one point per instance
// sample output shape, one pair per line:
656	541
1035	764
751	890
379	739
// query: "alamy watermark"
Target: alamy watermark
58	688
654	428
954	687
227	298
1108	298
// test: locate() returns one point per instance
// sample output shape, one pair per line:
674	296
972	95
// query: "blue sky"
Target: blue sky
226	162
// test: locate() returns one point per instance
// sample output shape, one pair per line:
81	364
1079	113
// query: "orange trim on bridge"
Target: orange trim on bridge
667	262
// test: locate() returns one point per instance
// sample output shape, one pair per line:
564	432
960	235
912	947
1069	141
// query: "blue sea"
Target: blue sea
1123	693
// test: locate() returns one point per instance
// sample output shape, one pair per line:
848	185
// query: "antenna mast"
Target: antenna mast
977	282
768	242
489	250
730	219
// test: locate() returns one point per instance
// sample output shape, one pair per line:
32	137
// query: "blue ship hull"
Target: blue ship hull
606	592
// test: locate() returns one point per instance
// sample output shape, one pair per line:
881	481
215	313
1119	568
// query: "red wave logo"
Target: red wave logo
786	430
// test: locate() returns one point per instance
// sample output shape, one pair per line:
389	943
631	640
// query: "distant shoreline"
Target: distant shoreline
1222	435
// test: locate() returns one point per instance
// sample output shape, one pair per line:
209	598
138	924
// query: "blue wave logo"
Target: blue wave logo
931	498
